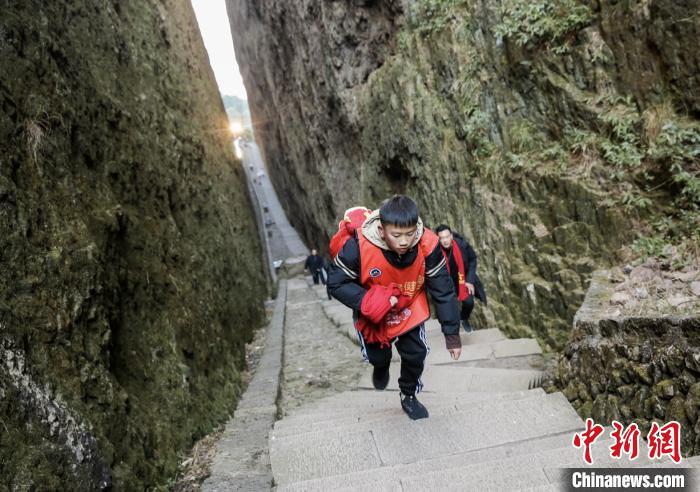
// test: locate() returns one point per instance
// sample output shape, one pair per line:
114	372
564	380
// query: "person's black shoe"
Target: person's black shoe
413	408
380	377
467	327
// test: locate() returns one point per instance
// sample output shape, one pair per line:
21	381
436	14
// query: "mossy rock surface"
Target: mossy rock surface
514	129
130	272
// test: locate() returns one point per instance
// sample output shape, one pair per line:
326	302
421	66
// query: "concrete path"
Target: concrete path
488	428
283	238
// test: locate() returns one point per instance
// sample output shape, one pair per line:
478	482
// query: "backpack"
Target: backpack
353	218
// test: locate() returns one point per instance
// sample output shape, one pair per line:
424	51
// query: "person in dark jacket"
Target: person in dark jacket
383	273
314	264
461	263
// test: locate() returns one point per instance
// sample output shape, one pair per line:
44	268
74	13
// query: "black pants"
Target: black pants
319	275
412	348
467	307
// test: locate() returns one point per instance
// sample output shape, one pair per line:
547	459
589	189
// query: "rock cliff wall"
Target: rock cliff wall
550	133
130	272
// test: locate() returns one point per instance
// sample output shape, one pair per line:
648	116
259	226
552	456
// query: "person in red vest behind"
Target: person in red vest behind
383	273
461	265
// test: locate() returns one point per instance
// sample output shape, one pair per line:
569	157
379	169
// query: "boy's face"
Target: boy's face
399	239
445	239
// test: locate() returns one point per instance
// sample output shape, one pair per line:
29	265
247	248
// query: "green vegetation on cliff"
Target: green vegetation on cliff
536	102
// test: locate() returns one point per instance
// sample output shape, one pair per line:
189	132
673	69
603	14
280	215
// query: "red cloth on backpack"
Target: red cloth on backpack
352	221
462	291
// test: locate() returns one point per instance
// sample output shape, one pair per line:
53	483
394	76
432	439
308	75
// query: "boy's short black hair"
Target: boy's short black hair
442	227
399	211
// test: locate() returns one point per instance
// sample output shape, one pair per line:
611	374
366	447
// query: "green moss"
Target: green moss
678	143
428	16
529	23
665	389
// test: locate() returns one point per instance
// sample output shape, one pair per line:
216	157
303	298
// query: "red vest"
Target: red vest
376	270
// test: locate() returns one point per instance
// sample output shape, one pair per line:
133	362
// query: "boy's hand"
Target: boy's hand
470	288
376	303
455	353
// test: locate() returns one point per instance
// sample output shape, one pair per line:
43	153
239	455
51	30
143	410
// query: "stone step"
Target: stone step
373	445
522	362
433	326
692	462
334	306
331	302
318	288
488	478
335	417
389	477
349	330
456	379
558	478
552	487
296	284
339	315
488	351
350	402
537	464
512	473
468	357
477	337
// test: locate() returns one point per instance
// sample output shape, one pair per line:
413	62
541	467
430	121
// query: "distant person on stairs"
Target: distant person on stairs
461	264
382	273
314	264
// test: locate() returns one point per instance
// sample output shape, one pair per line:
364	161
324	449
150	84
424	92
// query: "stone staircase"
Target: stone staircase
490	427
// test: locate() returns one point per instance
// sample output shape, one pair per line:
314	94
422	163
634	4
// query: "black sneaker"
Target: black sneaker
380	377
413	408
467	327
